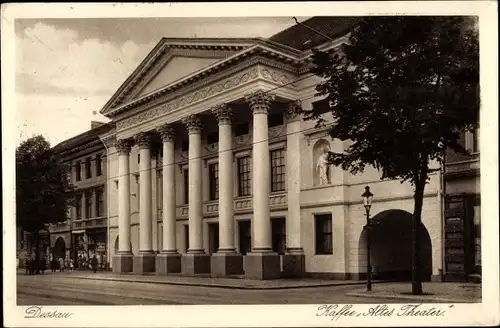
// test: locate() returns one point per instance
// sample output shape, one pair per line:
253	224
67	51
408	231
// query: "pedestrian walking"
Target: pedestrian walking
53	264
27	265
61	264
43	264
94	263
71	265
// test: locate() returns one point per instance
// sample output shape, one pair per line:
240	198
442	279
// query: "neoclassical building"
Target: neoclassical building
213	173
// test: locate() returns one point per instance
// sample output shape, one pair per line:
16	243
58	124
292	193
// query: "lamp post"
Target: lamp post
367	198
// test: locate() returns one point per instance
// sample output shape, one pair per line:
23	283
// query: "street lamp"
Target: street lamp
368	198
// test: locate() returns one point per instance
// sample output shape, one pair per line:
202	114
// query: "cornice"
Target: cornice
80	148
256	51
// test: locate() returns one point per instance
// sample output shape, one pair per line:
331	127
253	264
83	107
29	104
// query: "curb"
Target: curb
409	298
193	284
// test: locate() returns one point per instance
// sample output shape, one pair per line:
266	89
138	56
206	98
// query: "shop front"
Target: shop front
90	243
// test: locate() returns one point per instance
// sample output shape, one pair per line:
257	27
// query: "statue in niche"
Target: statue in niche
323	167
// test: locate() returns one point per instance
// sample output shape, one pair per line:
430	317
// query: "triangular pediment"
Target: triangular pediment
175	69
170	61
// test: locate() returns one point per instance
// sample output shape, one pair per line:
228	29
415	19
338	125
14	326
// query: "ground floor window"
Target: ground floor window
245	236
323	234
278	230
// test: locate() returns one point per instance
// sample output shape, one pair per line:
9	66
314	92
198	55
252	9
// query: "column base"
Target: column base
225	264
195	263
168	263
294	264
262	266
123	262
144	262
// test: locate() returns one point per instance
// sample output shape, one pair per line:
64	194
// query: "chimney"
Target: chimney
96	124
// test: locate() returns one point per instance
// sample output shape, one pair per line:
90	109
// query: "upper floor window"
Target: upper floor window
98	164
186	186
244	178
78	171
100	202
78	207
88	204
88	168
213	173
278	173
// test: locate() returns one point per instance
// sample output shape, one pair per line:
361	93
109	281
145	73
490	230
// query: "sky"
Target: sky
67	69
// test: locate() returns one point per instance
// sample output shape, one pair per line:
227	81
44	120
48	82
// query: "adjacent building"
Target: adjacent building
212	172
462	217
85	233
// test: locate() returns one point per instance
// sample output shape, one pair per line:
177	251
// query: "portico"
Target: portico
213	173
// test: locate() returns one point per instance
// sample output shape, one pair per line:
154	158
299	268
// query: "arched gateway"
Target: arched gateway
60	248
391	247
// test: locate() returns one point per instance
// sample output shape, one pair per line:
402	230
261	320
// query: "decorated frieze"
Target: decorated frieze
189	99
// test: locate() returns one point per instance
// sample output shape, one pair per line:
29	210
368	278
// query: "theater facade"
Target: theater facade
212	172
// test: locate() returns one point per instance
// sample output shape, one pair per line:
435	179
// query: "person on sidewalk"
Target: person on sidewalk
61	264
43	264
71	265
94	263
27	265
53	264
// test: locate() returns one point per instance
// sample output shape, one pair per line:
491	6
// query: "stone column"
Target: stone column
294	258
195	261
93	214
226	261
123	259
145	260
261	263
169	260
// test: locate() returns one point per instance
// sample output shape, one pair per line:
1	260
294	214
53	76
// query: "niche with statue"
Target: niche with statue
322	170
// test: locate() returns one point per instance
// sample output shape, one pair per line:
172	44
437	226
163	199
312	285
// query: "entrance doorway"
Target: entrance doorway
213	238
391	247
60	248
245	236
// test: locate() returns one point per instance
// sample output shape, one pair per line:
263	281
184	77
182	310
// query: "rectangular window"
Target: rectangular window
159	189
245	236
88	204
100	202
98	164
244	188
323	234
213	173
186	186
278	173
78	171
88	168
78	207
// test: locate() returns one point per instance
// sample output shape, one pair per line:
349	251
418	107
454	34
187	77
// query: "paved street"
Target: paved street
62	289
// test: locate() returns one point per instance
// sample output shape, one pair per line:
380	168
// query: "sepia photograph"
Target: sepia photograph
333	160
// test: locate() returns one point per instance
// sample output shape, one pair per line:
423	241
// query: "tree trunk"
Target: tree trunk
37	252
416	231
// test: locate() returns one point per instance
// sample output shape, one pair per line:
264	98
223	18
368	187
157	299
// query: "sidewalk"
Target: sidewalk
207	281
433	291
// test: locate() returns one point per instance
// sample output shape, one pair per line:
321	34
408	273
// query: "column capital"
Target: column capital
143	139
259	101
223	113
122	146
292	111
167	132
192	123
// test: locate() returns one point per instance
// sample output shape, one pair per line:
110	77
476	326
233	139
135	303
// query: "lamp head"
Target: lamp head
367	198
